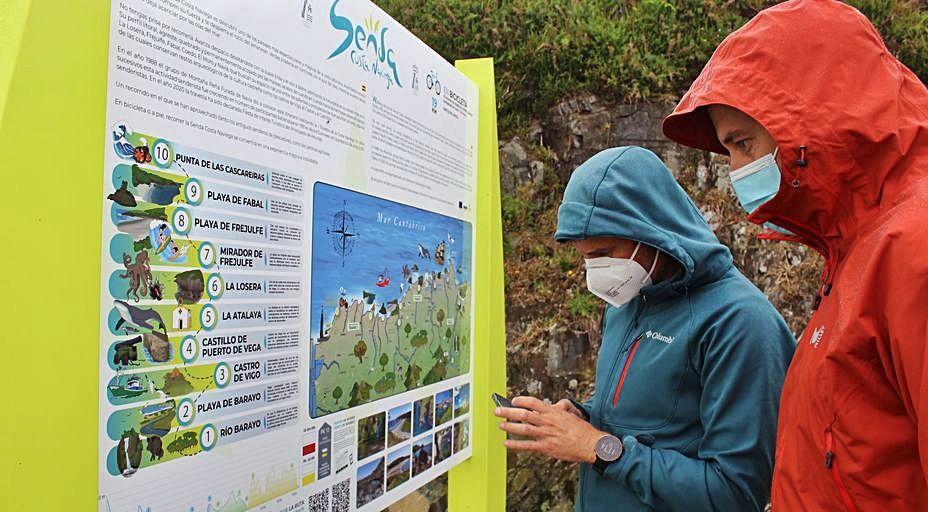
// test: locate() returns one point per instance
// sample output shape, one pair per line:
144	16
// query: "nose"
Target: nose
736	161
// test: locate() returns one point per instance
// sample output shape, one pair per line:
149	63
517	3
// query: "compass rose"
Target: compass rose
342	232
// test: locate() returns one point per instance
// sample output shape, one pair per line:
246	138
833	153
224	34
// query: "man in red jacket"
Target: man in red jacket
828	138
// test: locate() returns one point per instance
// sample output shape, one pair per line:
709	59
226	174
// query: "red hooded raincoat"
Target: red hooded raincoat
851	123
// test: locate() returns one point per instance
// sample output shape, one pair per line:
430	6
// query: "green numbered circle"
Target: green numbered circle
209	317
188	349
193	191
207	255
185	412
215	286
222	375
162	153
208	437
181	221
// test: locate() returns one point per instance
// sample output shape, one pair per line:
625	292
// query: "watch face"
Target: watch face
608	448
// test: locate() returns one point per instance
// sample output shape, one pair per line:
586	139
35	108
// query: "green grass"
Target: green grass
518	209
626	50
584	304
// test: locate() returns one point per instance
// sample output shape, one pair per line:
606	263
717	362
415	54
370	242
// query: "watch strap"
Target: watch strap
600	465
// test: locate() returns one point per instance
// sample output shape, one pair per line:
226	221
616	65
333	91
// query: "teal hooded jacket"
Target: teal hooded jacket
689	372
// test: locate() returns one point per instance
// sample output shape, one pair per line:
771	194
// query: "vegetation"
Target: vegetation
384	359
386	383
626	50
583	304
420	339
360	394
412	376
360	349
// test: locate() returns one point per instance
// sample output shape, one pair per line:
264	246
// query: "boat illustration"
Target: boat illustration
383	280
132	387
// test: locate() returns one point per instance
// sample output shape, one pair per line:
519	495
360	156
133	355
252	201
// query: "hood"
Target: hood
629	193
816	74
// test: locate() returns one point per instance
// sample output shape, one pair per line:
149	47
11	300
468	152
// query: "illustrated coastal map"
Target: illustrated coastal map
391	299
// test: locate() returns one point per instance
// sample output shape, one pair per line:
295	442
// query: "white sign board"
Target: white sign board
287	257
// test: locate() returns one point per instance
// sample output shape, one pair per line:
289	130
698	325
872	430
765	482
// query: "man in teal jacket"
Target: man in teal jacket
692	357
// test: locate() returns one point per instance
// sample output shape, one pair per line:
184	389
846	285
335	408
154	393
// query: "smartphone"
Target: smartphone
501	401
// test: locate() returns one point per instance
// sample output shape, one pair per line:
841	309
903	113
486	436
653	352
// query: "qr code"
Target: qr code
341	496
319	502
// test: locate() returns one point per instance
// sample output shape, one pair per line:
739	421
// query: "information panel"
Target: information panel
288	211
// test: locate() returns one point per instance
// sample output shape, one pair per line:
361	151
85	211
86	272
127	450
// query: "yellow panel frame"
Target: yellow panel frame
479	484
53	58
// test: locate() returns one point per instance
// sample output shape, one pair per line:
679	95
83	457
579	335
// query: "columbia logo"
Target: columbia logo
654	335
817	336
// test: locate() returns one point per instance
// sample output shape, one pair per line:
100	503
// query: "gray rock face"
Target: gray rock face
566	348
579	127
516	169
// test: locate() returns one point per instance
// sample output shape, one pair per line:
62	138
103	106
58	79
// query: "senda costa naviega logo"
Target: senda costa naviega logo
359	39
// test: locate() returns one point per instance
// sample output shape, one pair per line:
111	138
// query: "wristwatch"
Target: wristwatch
608	450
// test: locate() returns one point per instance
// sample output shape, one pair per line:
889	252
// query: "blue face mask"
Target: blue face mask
778	229
756	183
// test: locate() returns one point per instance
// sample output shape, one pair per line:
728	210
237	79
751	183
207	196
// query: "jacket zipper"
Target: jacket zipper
628	362
601	403
832	464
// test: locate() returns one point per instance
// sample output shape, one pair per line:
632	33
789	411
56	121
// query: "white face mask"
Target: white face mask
618	280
